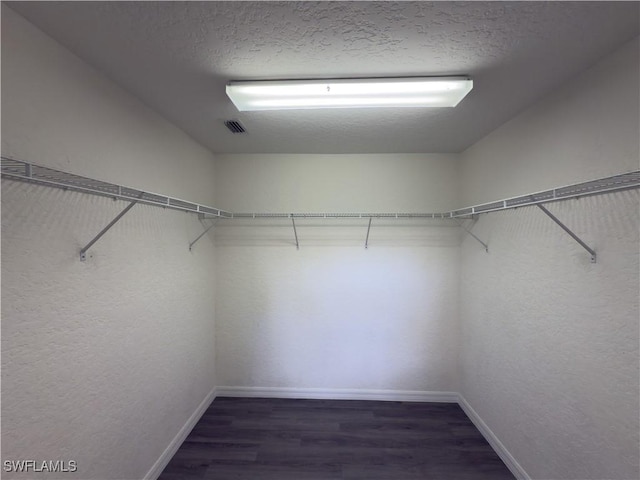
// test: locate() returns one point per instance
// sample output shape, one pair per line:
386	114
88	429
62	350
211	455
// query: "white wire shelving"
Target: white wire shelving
28	172
614	183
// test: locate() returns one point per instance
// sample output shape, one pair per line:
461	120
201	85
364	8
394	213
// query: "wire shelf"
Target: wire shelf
28	172
623	181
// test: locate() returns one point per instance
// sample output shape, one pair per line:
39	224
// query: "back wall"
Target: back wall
334	316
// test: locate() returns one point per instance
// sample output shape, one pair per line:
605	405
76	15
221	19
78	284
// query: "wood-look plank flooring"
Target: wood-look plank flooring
291	439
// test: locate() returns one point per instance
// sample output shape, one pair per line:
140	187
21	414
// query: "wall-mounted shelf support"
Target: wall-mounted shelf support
366	242
571	234
83	251
295	232
31	173
468	230
202	235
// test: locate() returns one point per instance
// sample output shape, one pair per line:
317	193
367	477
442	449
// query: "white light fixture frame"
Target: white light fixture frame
404	92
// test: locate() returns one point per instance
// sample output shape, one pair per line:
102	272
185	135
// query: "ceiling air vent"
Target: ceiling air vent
234	126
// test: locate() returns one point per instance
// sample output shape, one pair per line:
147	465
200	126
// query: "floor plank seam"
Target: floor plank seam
298	439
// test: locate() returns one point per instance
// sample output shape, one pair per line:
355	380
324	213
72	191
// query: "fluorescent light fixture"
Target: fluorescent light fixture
348	93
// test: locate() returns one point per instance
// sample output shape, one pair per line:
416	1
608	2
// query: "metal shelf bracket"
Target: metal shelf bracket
83	251
366	242
591	251
27	172
202	234
295	232
468	230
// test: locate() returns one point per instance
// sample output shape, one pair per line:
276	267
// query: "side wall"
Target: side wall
549	341
103	362
334	316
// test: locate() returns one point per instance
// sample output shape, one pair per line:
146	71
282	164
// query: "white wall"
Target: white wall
333	315
326	183
549	341
586	129
103	361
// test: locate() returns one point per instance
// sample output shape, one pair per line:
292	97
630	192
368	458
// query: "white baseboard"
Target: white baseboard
174	445
339	394
493	440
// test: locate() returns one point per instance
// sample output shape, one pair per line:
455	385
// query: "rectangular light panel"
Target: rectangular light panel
348	93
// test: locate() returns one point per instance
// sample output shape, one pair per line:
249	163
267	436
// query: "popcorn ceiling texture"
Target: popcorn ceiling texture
549	341
174	55
104	361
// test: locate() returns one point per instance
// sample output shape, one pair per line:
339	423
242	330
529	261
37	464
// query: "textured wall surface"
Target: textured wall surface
549	341
332	314
103	361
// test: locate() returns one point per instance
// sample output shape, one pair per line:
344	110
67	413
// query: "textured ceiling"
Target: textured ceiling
178	56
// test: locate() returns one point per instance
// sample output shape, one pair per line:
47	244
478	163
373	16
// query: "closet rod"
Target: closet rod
29	172
24	171
338	215
614	183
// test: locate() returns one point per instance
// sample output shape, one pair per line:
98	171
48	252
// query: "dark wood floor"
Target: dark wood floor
286	439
